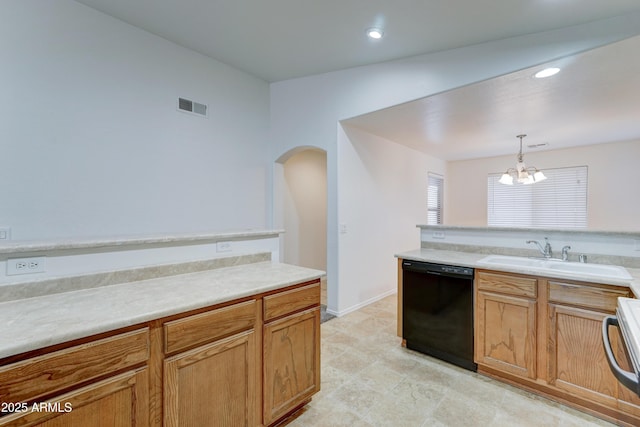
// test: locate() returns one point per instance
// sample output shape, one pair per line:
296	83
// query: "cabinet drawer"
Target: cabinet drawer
507	284
209	326
595	297
33	378
286	302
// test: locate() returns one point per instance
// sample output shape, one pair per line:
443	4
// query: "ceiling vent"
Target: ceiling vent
543	144
192	107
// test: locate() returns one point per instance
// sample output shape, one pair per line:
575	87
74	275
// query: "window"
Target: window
434	199
558	202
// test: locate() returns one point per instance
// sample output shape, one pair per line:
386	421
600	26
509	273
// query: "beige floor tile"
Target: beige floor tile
399	360
457	409
369	380
380	377
356	396
351	361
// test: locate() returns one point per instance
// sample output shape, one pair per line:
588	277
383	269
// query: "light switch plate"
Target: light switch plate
5	233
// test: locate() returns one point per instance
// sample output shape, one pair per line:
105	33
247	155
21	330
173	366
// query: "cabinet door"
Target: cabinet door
291	362
577	361
506	333
212	385
121	401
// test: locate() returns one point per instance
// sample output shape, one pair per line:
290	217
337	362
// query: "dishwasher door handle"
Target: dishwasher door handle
628	379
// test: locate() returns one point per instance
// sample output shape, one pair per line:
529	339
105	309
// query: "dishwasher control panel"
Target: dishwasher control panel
427	267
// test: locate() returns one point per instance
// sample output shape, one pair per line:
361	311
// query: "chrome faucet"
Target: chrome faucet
546	250
565	252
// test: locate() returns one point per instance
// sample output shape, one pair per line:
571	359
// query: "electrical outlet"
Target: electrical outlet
224	247
438	234
25	265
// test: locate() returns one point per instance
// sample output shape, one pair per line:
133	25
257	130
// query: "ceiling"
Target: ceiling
594	99
590	101
282	39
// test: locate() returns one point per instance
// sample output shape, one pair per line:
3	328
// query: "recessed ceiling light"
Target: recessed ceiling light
375	33
547	72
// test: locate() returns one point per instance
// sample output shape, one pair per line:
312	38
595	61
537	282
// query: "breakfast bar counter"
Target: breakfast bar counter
42	321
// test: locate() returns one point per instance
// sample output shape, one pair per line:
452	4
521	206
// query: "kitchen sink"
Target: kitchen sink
512	260
552	266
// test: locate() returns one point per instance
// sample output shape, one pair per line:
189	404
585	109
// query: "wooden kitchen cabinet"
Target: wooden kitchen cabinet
577	361
67	387
120	401
576	311
506	331
291	350
506	323
216	381
249	362
546	335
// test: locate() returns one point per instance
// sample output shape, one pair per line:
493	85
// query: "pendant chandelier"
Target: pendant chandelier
521	173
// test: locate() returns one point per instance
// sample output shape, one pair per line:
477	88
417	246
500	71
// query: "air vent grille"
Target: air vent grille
192	107
543	144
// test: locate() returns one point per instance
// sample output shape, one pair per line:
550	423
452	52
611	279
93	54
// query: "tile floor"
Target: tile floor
368	379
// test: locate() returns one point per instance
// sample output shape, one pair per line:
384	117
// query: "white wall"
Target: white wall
620	248
381	198
307	111
613	200
92	143
60	263
305	204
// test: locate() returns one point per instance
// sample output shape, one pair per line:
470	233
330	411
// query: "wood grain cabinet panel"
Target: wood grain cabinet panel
205	327
587	296
577	361
225	366
291	363
43	375
506	333
507	284
546	334
287	302
212	385
121	401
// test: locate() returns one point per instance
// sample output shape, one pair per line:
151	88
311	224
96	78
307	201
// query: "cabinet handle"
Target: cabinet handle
628	379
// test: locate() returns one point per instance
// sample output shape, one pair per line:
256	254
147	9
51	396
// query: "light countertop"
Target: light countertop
16	247
470	259
32	323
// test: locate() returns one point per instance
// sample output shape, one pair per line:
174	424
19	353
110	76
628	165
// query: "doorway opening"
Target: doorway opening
301	181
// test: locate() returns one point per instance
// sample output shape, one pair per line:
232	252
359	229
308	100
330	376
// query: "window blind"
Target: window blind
558	202
434	199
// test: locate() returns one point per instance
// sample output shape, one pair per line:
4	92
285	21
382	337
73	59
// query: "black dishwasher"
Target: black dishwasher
437	311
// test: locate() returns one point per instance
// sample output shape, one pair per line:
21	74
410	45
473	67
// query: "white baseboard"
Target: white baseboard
363	304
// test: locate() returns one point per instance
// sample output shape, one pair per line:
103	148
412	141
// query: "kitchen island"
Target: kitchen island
169	350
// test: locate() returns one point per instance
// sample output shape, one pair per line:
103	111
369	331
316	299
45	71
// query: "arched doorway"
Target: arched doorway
301	208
